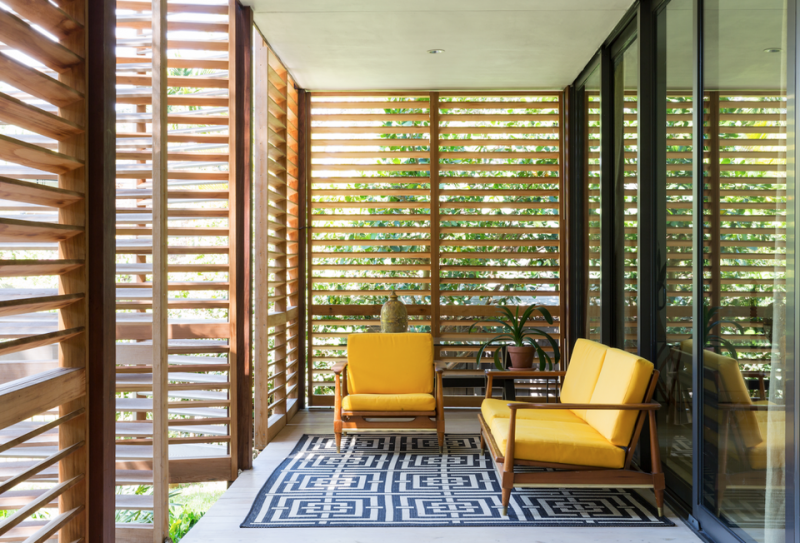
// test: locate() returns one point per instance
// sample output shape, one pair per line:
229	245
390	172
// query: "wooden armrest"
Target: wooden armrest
525	374
338	367
439	367
652	406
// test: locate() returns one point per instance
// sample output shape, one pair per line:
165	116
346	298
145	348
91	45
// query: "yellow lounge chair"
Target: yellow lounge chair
589	437
388	376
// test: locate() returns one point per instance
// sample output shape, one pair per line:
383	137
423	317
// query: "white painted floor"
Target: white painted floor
221	523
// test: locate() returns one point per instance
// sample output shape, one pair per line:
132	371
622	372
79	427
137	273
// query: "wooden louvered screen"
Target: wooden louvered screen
628	165
43	312
279	338
592	105
680	217
371	191
745	216
199	253
500	209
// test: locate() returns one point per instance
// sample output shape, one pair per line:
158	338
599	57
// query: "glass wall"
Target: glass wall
593	109
626	87
674	355
704	283
745	267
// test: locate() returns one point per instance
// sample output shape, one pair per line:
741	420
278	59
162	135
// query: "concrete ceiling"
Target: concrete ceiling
383	44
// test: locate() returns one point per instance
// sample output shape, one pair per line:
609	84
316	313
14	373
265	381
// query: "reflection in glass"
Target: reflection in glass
626	85
676	253
745	267
592	106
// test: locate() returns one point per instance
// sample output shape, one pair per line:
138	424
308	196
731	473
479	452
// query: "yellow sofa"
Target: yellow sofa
589	436
387	377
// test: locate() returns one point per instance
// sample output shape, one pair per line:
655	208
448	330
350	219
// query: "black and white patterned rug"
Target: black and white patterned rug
396	481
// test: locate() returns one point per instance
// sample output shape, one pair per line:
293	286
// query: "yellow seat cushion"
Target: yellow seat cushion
389	402
584	368
390	364
774	444
623	380
491	409
558	442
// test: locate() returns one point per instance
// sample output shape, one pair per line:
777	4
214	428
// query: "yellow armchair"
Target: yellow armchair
388	377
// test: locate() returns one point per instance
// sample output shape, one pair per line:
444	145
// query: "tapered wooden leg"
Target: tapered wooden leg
339	442
506	499
483	443
660	501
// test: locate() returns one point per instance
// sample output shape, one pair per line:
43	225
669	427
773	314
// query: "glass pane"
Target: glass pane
745	266
626	85
675	355
592	169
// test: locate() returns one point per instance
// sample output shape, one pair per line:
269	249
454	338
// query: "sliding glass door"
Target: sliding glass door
744	359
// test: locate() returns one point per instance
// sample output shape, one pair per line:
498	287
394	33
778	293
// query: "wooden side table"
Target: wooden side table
508	377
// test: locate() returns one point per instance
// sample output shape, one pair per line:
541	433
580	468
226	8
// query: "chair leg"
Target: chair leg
483	443
440	437
506	499
338	441
660	502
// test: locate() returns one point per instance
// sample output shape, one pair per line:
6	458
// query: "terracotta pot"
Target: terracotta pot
521	357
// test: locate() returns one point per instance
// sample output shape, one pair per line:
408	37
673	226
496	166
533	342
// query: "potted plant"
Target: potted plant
520	341
715	341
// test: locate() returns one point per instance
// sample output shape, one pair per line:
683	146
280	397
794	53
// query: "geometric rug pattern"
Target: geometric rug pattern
402	480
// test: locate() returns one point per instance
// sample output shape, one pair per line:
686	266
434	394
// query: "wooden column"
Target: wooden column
101	318
261	239
240	242
160	285
436	325
307	256
304	248
72	352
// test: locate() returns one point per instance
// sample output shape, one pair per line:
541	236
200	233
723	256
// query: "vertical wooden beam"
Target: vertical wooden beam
101	291
304	145
436	325
233	242
309	267
73	353
240	242
261	218
563	231
160	286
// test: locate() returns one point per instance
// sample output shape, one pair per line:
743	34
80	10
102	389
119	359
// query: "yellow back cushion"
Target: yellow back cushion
733	390
390	363
623	380
584	368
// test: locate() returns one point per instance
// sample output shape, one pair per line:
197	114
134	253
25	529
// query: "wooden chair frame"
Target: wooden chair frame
357	420
578	476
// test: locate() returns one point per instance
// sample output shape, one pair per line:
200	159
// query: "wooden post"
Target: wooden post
261	274
309	269
304	144
101	318
240	243
72	352
160	286
436	325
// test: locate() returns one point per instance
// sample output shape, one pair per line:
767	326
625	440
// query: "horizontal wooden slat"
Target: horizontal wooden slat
31	396
33	156
19	35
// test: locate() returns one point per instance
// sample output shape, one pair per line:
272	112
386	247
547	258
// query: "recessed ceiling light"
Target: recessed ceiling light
435	51
773	50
